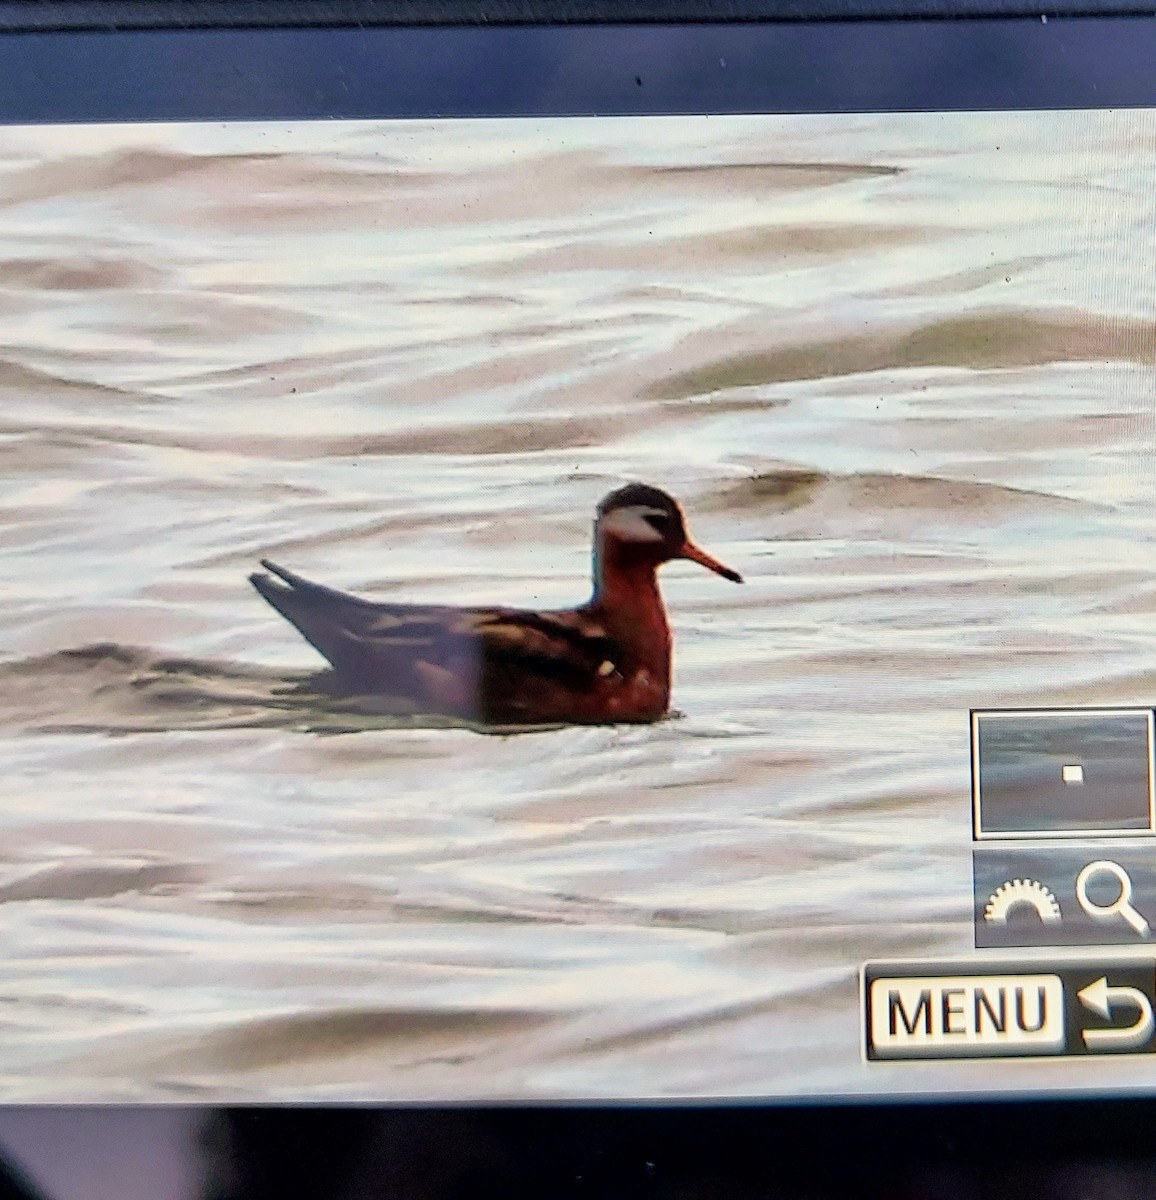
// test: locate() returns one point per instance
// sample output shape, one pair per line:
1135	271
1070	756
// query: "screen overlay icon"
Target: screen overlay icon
1064	894
1054	773
976	1009
1120	907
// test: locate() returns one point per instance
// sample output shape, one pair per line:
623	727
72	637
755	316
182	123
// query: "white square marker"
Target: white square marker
1063	772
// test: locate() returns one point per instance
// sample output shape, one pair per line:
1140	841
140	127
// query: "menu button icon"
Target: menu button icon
1002	1009
944	1016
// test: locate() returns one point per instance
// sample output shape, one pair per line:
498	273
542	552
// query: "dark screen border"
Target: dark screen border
540	71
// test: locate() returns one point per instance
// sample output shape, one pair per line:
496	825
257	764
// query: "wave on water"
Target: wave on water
36	382
114	689
979	341
80	273
292	1038
100	880
95	173
859	491
805	174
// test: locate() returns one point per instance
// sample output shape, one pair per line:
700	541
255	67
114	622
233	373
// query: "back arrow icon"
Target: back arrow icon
1101	999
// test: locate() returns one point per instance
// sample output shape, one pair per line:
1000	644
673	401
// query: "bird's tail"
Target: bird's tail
324	617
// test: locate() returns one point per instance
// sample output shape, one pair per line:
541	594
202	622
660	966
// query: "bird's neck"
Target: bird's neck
629	604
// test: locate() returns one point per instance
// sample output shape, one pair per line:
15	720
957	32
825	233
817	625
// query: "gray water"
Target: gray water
899	371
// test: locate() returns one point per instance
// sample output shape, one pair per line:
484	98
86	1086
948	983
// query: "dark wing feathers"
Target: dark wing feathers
374	646
360	638
561	648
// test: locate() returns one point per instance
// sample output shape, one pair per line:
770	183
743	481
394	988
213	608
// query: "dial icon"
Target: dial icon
1021	893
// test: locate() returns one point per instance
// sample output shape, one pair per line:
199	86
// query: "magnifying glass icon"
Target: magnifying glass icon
1121	906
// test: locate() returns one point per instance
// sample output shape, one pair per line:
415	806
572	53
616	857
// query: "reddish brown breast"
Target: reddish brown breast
630	607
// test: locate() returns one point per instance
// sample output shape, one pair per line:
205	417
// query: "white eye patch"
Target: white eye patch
630	524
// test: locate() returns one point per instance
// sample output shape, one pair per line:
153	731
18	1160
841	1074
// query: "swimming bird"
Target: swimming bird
605	662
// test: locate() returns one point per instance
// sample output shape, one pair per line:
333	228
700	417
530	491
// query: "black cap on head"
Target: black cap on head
640	494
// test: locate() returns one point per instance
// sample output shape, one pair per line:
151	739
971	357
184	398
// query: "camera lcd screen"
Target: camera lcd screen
568	608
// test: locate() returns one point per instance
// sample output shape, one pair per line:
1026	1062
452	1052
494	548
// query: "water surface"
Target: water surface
899	370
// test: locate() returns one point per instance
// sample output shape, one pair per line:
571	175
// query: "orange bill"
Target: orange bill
691	551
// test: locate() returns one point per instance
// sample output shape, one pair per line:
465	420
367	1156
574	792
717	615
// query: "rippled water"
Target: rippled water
898	369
